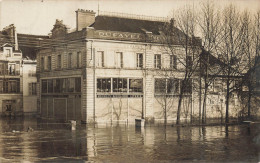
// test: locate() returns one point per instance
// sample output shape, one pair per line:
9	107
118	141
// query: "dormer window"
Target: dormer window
8	51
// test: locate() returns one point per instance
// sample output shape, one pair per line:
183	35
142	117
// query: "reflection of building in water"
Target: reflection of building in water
13	75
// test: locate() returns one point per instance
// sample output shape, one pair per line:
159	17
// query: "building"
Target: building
14	80
110	69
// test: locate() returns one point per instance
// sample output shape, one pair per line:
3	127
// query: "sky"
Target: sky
38	16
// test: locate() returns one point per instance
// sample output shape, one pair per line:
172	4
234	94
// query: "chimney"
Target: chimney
84	18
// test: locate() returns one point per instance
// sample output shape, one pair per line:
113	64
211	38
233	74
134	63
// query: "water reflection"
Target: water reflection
56	142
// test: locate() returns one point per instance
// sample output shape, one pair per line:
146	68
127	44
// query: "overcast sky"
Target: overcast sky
38	16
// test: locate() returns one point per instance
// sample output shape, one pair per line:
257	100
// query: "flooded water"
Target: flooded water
55	142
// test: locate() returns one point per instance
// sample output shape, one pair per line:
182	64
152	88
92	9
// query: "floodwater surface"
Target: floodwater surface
56	142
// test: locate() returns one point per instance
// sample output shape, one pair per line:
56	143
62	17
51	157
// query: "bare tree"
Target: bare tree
230	51
210	31
179	35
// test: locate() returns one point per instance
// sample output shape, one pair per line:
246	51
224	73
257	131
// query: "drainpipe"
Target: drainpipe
94	82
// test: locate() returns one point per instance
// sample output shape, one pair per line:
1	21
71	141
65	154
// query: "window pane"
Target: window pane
135	85
119	85
160	85
1	86
71	84
78	84
44	86
50	86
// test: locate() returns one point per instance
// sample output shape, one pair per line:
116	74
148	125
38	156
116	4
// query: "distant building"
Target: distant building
13	83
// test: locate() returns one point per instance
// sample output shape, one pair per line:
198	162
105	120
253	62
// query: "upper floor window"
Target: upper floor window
119	63
119	85
79	57
173	61
189	62
167	86
8	52
70	60
157	61
59	61
139	60
32	89
100	59
10	85
104	85
42	63
135	85
49	63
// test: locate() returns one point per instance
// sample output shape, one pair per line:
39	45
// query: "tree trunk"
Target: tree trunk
204	105
227	102
249	101
179	105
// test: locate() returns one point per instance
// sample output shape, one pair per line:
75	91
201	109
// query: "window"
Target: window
100	59
119	85
173	61
59	62
42	63
8	52
139	60
173	86
169	86
189	62
70	60
11	68
78	60
135	85
157	61
1	86
70	84
160	86
187	89
50	86
44	86
49	62
77	84
3	68
119	60
104	85
32	89
13	86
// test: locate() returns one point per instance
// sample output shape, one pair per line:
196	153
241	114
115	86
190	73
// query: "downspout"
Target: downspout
94	82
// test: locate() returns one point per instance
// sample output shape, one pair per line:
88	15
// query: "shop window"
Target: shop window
139	60
70	84
44	86
187	88
160	86
57	85
157	61
100	59
173	86
50	86
173	61
104	85
77	84
119	85
135	85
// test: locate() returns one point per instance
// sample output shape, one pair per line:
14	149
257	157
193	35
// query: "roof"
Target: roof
127	25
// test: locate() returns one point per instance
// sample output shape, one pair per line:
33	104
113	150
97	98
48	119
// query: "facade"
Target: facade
110	69
13	83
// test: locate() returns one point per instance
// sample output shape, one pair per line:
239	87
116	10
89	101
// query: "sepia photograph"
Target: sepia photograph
129	81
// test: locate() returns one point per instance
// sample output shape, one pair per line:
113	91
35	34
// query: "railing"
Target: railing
133	16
